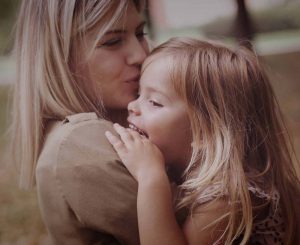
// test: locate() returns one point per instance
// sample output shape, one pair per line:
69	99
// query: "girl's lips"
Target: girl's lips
140	131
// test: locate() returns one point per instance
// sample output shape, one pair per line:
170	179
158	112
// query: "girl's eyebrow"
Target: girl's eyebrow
153	90
122	31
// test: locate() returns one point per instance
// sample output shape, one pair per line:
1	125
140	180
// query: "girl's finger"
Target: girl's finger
135	135
115	142
124	134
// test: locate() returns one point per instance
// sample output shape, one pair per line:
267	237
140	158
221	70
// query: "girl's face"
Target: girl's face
112	72
160	114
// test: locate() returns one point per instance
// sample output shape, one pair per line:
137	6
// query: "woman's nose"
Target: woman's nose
133	108
137	51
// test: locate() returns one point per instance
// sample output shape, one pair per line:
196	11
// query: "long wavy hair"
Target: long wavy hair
48	35
238	132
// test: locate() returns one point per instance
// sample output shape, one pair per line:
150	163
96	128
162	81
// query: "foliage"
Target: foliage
8	9
4	94
278	18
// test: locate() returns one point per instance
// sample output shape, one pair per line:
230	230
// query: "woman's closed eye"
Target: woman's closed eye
113	42
141	35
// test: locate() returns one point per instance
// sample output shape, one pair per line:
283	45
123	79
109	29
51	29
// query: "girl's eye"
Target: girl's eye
112	42
141	35
155	104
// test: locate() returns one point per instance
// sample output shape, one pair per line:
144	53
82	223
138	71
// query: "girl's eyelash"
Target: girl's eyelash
154	103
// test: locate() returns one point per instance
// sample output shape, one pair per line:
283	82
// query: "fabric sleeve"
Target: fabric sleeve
96	185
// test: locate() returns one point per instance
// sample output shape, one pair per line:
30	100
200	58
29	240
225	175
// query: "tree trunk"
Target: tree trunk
149	21
244	30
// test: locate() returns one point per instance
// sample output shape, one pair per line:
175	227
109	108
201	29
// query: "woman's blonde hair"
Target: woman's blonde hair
237	128
48	35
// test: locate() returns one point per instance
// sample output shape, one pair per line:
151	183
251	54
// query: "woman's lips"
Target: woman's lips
133	79
140	131
133	82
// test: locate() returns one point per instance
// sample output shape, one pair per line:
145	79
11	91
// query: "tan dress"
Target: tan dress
86	195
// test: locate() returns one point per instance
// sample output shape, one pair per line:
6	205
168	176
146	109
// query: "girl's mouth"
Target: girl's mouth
135	128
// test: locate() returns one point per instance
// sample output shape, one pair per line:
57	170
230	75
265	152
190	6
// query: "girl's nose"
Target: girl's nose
133	108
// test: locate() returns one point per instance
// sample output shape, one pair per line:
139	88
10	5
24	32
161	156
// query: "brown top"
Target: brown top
269	229
86	195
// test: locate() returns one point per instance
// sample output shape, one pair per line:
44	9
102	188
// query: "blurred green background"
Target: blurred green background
276	37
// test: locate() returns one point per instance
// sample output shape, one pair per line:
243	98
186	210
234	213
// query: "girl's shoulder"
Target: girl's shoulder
257	188
268	221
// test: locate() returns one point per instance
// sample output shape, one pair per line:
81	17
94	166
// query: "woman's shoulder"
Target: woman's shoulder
75	140
76	151
78	124
84	126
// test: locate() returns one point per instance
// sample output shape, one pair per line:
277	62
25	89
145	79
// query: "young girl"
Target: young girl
208	114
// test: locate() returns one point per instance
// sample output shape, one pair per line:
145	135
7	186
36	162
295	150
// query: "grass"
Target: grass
20	221
4	93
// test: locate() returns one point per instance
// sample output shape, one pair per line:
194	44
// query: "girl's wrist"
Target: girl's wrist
156	179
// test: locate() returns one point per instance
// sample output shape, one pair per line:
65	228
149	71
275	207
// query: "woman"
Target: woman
78	65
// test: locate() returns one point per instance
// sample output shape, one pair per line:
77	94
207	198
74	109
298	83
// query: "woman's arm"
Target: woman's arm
156	219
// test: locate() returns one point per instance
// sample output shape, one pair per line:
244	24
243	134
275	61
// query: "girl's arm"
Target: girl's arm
156	219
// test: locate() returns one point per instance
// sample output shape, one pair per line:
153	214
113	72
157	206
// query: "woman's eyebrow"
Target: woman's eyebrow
117	31
122	31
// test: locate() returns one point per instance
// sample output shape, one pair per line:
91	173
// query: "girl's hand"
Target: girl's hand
140	156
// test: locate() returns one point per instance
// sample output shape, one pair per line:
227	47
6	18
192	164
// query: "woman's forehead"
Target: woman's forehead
130	18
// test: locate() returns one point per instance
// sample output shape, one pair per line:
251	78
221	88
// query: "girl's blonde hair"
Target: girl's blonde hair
48	35
237	131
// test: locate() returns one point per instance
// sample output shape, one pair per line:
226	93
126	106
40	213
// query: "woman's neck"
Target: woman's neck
118	116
